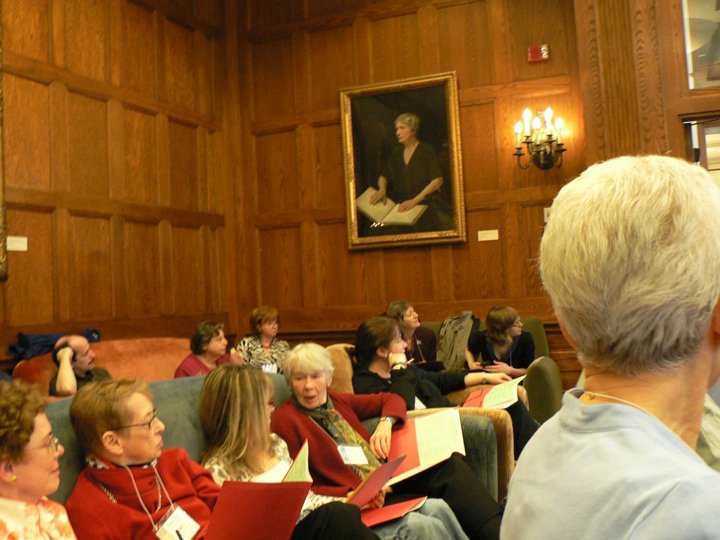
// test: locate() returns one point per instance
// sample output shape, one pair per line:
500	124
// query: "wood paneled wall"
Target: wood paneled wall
297	56
114	148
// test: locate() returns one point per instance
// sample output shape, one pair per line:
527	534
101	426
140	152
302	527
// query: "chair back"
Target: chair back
544	388
342	377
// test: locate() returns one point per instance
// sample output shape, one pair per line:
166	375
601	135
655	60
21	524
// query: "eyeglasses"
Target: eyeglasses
147	425
53	443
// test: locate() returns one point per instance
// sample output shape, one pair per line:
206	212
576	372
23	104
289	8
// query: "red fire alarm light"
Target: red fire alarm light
538	53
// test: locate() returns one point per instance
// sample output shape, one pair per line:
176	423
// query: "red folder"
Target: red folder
404	443
476	398
390	512
257	511
374	482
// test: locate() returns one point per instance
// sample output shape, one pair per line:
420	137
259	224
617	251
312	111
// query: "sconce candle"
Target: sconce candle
542	142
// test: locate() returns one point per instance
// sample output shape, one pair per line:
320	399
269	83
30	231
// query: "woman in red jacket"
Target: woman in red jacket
342	452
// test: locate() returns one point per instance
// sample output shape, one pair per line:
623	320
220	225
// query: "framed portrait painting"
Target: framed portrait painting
403	173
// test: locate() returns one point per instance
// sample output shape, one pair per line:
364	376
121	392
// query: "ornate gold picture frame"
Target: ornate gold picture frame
403	172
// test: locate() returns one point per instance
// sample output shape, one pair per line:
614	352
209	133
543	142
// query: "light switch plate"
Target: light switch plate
17	243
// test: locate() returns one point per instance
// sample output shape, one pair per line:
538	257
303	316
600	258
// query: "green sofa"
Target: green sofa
177	400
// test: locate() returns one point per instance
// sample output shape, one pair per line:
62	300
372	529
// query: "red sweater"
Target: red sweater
330	475
94	516
193	366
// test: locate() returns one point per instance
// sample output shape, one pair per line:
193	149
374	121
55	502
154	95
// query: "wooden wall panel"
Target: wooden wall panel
277	173
479	268
189	280
329	167
183	166
340	272
466	45
532	225
394	52
112	141
139	143
141	245
139	49
274	12
531	22
407	273
26	137
87	145
331	65
281	275
273	85
25	28
29	294
91	286
181	65
477	123
86	37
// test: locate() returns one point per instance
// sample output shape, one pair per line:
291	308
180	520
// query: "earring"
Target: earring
13	478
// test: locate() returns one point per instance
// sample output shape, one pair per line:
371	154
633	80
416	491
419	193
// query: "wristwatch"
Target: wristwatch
390	419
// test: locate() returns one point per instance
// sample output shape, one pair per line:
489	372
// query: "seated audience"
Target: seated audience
208	346
131	483
421	341
263	349
503	347
380	365
327	419
631	259
29	467
235	408
76	366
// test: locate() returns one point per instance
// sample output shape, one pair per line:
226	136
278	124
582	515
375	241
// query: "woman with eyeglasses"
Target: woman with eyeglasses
29	467
503	347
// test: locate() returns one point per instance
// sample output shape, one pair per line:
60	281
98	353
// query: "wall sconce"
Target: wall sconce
542	140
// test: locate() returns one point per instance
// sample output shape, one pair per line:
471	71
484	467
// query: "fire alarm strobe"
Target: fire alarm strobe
538	53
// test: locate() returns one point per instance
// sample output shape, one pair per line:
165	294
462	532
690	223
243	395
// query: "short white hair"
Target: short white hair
631	259
309	357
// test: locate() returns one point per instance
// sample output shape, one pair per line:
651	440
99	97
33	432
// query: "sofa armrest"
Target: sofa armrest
501	447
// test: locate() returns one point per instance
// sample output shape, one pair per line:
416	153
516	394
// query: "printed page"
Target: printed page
503	395
437	436
395	217
376	212
300	469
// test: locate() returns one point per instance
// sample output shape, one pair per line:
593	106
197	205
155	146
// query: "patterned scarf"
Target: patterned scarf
342	433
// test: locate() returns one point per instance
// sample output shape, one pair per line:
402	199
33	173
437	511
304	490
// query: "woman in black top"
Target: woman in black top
380	365
504	347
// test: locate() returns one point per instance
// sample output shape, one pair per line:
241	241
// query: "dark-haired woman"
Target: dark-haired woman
381	366
503	347
420	340
208	346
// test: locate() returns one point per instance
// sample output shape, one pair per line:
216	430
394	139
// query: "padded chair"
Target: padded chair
544	388
475	422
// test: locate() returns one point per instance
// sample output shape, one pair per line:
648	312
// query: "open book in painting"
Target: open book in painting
387	212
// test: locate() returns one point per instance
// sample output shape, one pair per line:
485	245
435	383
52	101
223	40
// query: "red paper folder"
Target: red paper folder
404	443
257	511
390	512
374	482
476	398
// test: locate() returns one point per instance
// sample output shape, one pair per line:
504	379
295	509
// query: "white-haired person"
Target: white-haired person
631	259
236	404
412	176
328	420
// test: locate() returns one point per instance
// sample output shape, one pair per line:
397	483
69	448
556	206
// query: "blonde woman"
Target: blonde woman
235	408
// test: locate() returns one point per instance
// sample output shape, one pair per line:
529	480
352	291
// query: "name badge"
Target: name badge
352	454
176	525
269	368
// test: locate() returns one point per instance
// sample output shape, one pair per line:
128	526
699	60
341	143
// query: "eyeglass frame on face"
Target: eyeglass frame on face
148	425
53	443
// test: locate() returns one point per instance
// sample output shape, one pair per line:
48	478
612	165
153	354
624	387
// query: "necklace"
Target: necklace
592	395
